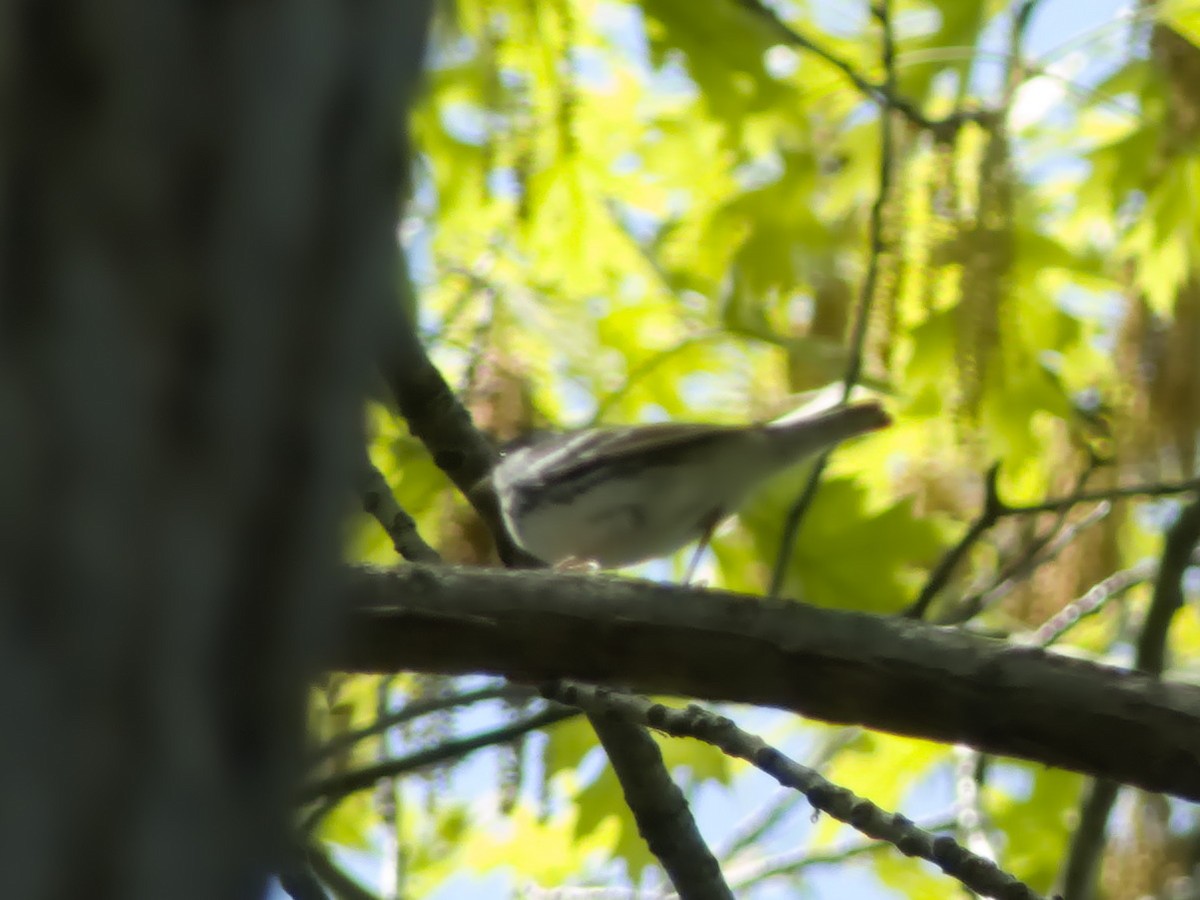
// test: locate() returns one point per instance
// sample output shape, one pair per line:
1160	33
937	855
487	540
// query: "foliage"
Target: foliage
628	212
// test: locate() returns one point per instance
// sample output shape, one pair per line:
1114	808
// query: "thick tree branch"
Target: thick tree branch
889	674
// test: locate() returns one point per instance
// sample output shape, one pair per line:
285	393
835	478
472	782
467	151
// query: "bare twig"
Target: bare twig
415	710
379	501
1032	555
662	814
1154	489
1092	601
977	873
757	823
993	509
883	94
754	826
876	249
1043	550
343	783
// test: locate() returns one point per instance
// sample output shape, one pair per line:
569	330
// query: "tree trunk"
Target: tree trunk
197	215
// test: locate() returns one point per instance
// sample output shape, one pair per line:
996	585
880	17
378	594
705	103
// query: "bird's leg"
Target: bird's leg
709	526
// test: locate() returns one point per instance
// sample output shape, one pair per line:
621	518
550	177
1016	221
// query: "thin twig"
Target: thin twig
1033	553
750	830
883	94
1092	601
977	873
344	783
416	709
993	509
755	825
1043	551
379	501
797	861
1156	489
877	246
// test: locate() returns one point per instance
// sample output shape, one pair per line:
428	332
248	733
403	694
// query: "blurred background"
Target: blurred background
628	212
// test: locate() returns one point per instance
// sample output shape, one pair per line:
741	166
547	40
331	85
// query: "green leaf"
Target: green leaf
1183	16
838	534
601	804
1044	818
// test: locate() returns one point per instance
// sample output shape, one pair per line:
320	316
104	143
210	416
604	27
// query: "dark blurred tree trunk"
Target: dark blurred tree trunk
197	216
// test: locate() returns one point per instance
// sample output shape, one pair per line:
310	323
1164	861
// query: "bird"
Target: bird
614	496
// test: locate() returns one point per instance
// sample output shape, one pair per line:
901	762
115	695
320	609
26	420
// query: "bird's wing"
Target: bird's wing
573	455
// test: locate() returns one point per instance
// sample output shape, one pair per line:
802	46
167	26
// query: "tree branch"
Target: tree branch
995	509
979	874
793	861
379	502
344	783
440	422
663	816
339	743
885	673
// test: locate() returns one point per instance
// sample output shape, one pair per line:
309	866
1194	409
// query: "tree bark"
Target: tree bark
889	674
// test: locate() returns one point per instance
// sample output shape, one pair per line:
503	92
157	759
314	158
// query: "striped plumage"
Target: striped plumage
621	495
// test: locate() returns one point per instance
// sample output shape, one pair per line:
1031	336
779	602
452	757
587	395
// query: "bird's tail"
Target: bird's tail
801	437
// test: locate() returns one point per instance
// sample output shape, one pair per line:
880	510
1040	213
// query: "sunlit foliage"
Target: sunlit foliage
628	212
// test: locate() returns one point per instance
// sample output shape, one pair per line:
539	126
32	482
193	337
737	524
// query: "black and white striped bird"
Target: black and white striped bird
621	495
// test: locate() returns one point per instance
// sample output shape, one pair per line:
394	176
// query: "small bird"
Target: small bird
620	495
